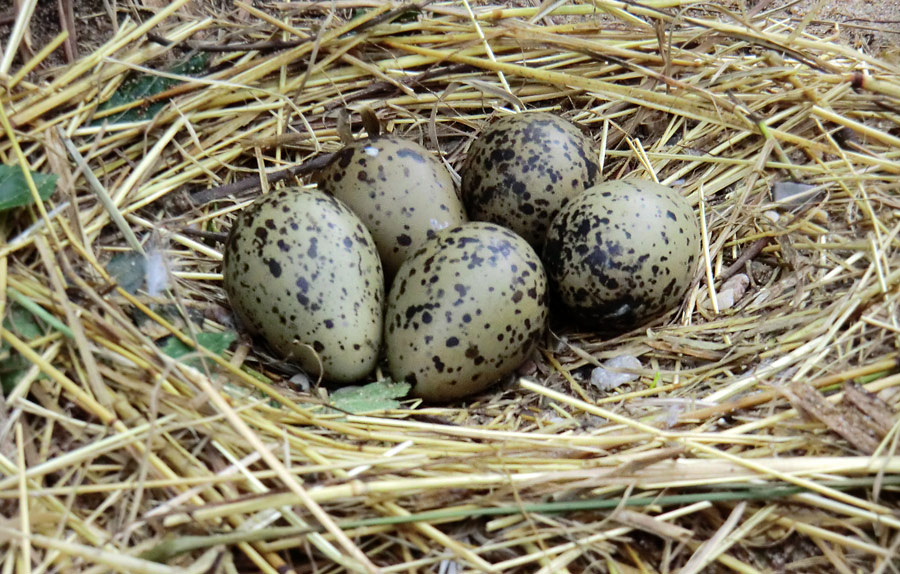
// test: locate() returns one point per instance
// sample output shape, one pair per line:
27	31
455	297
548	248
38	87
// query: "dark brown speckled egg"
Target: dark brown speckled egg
301	270
464	311
523	168
402	193
623	251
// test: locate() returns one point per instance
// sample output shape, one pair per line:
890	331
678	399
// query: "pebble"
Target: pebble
609	375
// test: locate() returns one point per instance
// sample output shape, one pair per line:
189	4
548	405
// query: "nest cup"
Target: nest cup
140	432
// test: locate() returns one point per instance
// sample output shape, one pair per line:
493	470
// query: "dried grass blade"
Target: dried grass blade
716	545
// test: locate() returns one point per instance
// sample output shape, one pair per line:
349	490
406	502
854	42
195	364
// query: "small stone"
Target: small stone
725	299
732	291
610	375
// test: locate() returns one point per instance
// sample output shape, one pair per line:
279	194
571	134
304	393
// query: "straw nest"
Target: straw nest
761	433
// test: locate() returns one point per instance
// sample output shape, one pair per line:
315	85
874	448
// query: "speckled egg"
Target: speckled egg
302	271
623	251
464	311
523	168
402	192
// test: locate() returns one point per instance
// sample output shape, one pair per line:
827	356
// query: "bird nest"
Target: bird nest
141	432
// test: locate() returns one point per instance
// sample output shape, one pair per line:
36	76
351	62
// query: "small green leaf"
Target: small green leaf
14	190
142	86
377	396
22	323
39	312
128	270
216	343
12	368
25	326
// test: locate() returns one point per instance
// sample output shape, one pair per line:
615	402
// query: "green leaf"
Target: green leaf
39	312
22	323
14	190
142	86
25	326
377	396
128	270
216	343
11	371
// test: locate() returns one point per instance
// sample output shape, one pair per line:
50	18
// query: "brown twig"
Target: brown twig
746	255
390	15
250	183
211	236
383	88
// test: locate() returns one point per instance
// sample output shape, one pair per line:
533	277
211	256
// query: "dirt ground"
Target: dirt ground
869	25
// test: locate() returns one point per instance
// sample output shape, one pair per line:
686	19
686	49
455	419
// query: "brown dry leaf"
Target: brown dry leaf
881	417
846	422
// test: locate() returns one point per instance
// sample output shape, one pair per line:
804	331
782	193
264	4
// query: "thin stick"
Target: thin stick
251	183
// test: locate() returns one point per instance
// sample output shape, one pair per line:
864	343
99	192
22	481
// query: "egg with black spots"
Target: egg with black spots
464	311
523	168
302	271
623	252
399	189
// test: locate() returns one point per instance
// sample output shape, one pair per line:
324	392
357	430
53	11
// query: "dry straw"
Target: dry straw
761	433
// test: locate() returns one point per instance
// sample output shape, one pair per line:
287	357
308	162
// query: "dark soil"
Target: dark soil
93	25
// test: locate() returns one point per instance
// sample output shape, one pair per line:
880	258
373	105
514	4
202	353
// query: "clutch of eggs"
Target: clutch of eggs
468	301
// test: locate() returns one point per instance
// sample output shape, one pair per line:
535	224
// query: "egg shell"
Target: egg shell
623	251
301	270
523	168
400	191
464	311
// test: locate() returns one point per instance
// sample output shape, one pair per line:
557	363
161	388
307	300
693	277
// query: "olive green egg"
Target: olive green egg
523	168
623	252
464	311
402	193
302	271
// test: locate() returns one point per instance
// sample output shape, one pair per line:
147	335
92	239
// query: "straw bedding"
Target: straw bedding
760	435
